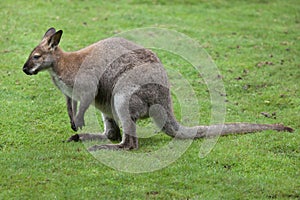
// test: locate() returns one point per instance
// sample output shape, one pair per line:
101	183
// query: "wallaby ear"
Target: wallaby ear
50	32
54	39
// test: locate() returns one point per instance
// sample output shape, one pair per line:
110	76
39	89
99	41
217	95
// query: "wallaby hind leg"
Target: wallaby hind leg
129	140
111	128
124	113
111	132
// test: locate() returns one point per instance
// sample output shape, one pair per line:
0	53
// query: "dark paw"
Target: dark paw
74	138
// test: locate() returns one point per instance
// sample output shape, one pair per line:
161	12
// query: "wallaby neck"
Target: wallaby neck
67	63
66	66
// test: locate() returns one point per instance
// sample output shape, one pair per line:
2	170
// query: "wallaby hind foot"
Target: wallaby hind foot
111	134
82	137
130	143
113	147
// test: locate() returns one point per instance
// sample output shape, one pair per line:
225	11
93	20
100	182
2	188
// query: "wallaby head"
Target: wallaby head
45	54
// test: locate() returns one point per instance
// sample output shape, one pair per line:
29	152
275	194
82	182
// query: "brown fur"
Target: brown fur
126	82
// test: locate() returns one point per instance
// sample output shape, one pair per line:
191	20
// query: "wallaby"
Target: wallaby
126	82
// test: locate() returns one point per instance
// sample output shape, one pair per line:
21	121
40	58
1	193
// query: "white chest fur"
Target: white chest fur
64	88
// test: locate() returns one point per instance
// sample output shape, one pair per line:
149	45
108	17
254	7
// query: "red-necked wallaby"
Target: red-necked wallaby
126	82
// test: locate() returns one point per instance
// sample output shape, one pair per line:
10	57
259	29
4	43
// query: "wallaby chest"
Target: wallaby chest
63	86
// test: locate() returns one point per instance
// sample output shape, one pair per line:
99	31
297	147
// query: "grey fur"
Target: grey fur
126	82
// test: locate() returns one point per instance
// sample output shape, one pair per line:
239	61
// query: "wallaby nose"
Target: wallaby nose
25	70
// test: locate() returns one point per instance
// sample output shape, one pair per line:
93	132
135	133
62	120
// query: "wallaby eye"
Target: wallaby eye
36	56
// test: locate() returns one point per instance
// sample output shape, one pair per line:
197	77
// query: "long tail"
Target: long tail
227	129
174	129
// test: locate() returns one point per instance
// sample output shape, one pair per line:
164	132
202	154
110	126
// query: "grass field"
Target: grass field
256	46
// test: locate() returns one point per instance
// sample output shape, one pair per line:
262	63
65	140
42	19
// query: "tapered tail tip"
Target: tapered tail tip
288	129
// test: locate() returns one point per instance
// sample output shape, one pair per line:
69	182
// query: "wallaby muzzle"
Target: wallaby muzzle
27	71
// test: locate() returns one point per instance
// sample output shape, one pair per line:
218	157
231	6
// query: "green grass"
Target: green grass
241	36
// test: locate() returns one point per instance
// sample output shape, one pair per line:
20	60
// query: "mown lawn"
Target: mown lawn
256	46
